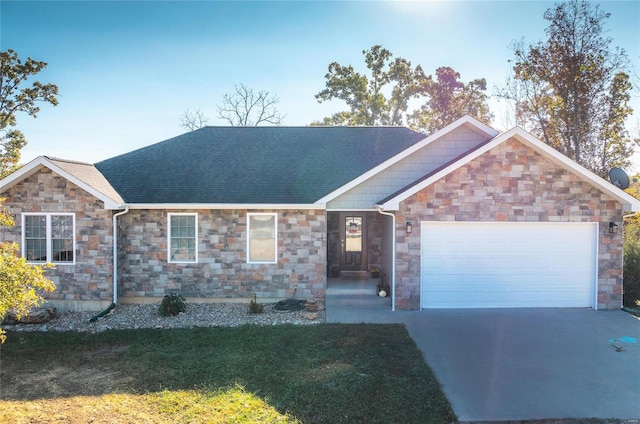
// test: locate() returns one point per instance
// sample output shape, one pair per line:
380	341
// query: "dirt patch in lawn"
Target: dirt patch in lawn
87	376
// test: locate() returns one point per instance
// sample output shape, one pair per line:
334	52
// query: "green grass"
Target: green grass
307	374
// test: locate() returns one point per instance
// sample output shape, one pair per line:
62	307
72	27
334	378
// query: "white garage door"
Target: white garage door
505	265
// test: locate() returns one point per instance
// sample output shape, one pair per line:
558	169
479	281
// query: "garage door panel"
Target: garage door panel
495	284
502	268
482	268
508	264
507	300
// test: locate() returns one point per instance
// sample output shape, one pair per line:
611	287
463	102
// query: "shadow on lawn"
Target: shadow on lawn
323	373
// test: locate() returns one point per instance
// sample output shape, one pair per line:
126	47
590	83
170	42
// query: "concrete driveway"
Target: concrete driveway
521	364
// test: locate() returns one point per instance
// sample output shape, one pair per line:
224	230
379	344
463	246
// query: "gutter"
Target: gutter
115	253
393	258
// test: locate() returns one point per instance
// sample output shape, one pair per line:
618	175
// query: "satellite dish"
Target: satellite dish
619	178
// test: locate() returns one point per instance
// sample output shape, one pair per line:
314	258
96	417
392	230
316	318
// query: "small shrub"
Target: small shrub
255	307
172	304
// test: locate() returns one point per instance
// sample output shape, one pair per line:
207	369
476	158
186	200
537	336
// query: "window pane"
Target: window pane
353	237
36	250
182	239
35	238
262	238
62	238
183	249
262	250
62	250
62	227
35	226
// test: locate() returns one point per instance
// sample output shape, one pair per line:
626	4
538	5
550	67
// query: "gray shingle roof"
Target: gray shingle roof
289	165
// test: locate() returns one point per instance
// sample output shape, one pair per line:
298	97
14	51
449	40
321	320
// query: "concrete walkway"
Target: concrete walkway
520	364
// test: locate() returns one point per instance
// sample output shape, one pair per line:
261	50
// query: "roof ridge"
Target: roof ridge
52	158
308	126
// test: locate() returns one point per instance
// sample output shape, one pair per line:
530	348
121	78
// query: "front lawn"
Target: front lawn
284	374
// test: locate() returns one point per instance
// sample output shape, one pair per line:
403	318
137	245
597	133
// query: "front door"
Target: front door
353	242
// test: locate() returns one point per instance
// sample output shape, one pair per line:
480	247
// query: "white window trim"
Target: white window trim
275	240
169	260
48	216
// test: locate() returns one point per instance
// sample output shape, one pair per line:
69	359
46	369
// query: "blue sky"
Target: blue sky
127	70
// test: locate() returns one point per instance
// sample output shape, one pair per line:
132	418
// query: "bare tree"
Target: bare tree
192	120
245	107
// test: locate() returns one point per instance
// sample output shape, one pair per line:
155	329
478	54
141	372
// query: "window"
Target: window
262	238
183	237
48	238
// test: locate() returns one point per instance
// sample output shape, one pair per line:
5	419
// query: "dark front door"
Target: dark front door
353	242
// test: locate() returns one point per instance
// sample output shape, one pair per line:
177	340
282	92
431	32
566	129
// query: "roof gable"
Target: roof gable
84	175
629	202
466	121
253	165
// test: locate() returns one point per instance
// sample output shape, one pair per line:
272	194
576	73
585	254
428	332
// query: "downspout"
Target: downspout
115	253
393	257
115	267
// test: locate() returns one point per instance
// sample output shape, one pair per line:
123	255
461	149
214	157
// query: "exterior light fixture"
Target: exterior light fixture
409	227
613	228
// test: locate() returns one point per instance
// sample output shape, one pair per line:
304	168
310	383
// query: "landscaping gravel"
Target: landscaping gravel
196	315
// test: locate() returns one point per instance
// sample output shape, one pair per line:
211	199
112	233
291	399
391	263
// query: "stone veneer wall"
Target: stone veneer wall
510	183
222	272
87	285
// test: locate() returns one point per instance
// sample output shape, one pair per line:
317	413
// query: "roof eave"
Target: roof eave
23	172
192	206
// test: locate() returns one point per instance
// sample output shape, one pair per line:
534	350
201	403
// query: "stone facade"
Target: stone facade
509	183
222	272
87	285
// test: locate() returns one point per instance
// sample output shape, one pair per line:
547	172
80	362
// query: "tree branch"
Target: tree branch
247	108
